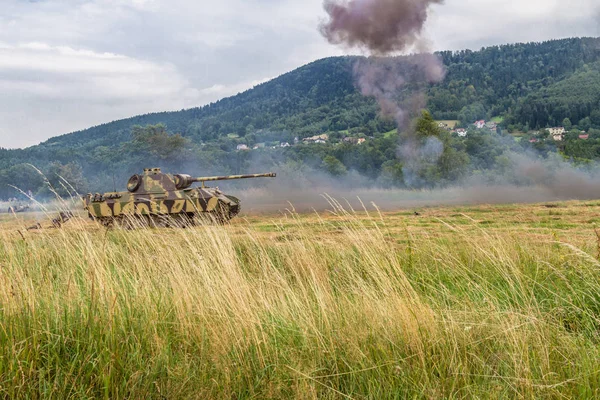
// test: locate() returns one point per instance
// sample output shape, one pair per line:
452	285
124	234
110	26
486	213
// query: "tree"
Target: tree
156	141
595	118
567	124
452	164
585	124
334	166
391	174
426	126
472	113
18	179
432	158
64	180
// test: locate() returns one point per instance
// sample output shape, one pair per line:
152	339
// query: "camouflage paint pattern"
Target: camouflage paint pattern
157	194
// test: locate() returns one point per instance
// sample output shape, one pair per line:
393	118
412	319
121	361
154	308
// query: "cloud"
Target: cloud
97	61
44	88
459	25
70	64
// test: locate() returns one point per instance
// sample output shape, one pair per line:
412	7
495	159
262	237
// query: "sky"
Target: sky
66	65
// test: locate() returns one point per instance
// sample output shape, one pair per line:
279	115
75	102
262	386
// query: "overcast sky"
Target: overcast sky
66	65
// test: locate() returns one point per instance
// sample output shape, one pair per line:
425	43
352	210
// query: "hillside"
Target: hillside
530	86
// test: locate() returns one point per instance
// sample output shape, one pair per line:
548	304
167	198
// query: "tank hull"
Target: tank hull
171	208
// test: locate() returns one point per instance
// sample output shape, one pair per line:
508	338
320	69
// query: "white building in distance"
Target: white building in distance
557	133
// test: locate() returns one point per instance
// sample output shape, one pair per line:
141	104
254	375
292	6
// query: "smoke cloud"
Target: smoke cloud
398	83
527	181
380	26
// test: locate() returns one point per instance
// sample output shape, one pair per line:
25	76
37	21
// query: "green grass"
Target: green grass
334	306
451	123
391	133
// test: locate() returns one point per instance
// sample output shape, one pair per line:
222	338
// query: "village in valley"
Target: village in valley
318	139
552	134
555	134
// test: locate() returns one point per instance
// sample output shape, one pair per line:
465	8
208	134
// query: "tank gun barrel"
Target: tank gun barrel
232	177
185	181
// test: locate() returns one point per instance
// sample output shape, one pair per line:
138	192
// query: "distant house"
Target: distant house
361	141
242	147
284	144
479	124
557	133
584	137
533	140
443	125
296	140
317	139
259	146
461	132
492	126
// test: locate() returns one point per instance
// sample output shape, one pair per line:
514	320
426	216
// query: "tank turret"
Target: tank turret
158	199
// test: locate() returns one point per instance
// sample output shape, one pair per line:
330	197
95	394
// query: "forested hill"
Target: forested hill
494	81
278	104
526	86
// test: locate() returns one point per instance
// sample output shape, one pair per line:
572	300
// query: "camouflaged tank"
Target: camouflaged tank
158	199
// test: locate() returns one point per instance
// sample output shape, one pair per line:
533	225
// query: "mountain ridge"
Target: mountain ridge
196	113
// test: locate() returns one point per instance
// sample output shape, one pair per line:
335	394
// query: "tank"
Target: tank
158	199
19	208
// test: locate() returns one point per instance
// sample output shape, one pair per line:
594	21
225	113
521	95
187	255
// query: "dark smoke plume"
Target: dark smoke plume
380	26
383	27
398	83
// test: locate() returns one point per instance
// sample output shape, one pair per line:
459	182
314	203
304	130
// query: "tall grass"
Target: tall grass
338	307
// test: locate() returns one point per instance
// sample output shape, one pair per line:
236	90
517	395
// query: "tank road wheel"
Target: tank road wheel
161	221
187	220
107	222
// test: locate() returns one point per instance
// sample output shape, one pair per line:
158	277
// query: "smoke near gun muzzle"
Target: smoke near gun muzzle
380	26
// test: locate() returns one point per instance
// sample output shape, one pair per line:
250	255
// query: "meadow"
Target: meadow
484	301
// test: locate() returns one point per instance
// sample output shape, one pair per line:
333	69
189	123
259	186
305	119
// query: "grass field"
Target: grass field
457	302
451	123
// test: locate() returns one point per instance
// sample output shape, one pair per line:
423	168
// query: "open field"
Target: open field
494	302
450	123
